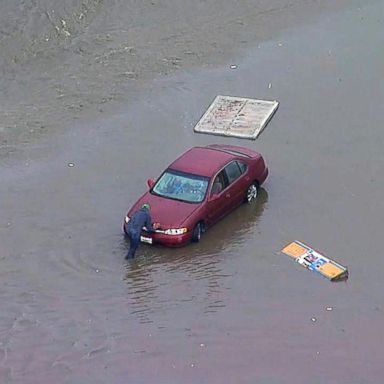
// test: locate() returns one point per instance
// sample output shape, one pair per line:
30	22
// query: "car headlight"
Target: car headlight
175	231
126	219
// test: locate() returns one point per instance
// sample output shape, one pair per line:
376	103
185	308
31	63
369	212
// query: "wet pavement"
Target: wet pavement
231	308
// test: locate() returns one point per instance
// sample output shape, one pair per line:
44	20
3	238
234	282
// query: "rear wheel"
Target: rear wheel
252	192
197	232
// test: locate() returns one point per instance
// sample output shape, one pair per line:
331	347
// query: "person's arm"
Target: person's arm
148	224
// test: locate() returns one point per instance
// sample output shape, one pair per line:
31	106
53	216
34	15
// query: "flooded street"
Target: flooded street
232	308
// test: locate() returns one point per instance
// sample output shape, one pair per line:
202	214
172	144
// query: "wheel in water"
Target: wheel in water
252	192
196	235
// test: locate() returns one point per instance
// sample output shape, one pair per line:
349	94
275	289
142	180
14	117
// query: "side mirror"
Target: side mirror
151	183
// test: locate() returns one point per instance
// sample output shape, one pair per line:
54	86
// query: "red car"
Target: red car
198	189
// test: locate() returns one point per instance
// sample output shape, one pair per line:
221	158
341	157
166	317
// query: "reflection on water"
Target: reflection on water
161	279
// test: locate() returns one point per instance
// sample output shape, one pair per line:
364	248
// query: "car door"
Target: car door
217	198
237	184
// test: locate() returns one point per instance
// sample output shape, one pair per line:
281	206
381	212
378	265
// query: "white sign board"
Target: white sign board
237	117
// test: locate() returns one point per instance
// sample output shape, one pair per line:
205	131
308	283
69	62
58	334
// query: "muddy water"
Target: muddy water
66	61
231	308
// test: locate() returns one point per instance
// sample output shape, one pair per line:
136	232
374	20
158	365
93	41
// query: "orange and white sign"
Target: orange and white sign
315	261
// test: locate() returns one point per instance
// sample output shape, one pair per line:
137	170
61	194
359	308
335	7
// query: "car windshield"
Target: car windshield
181	186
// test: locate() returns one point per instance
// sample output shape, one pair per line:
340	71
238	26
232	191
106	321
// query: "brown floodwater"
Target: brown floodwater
232	308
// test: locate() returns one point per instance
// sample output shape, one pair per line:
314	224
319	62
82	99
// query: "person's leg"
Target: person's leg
134	237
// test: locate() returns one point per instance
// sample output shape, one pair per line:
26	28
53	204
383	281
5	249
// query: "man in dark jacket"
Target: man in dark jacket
141	218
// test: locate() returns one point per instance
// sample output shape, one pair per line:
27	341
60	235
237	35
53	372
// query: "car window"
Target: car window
242	166
233	171
181	186
219	183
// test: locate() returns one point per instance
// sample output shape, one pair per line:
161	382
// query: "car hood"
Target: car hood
169	213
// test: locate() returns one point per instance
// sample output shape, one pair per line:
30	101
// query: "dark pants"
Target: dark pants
134	237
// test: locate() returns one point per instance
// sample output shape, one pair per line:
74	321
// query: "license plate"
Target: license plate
147	240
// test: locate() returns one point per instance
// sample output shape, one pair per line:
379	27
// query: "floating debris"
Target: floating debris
314	261
71	165
313	319
270	85
236	116
329	309
233	66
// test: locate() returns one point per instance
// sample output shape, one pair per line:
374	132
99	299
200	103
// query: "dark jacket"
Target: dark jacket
140	219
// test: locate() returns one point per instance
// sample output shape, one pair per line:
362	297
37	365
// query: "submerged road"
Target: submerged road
232	308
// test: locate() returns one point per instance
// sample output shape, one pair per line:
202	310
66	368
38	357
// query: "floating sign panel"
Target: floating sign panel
237	117
315	261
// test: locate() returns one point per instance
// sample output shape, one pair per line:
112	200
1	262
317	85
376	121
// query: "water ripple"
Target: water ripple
160	280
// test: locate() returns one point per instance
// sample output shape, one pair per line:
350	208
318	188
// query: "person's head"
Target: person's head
146	206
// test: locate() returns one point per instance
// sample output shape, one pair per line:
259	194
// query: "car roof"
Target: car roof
203	161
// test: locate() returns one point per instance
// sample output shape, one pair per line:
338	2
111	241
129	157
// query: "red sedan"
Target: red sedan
198	189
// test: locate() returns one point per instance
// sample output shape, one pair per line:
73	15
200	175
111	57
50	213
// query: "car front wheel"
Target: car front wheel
196	234
252	192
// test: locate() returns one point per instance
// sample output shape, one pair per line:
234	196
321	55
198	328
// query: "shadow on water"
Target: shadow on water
195	273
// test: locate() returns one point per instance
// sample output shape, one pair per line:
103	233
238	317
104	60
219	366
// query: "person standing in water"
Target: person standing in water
139	220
